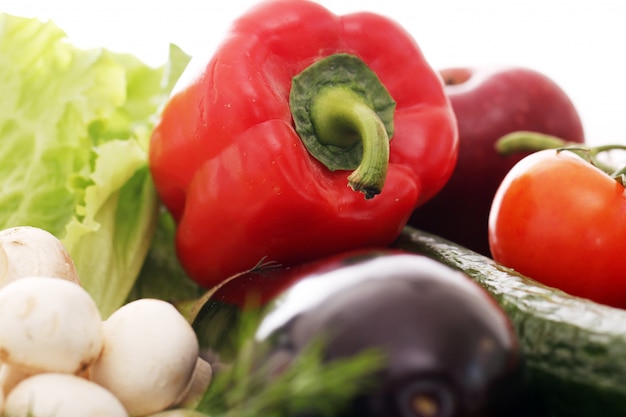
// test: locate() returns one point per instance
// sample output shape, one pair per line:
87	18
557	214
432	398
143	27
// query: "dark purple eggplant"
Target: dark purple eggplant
448	348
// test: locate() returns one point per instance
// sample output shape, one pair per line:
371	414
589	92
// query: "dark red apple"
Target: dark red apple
489	103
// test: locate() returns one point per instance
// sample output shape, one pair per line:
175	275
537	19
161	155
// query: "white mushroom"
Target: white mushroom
48	325
61	395
31	251
149	356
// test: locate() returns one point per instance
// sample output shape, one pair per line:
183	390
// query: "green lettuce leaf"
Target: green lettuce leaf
74	133
162	276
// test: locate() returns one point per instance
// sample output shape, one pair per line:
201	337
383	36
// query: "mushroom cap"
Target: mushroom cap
61	395
150	353
48	325
31	251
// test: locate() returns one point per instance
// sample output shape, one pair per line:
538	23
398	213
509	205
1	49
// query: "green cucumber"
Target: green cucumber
574	349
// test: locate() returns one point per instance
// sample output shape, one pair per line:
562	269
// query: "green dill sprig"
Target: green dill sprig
304	383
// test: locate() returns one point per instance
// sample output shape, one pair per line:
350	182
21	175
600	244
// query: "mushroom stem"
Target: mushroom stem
200	380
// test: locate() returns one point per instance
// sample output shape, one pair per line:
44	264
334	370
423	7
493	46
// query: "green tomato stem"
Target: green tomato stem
591	155
527	141
342	118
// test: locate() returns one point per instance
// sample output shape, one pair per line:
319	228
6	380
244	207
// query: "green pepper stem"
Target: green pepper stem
342	118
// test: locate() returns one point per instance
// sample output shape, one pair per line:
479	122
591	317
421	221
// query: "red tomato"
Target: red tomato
560	220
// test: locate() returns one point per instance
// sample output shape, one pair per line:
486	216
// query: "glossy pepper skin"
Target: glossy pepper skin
231	168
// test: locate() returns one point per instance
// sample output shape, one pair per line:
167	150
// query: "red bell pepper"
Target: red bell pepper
254	157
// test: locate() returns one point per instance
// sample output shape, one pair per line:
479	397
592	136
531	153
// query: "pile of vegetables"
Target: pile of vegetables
293	233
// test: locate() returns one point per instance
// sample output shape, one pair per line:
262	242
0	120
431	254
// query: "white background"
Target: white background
579	44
